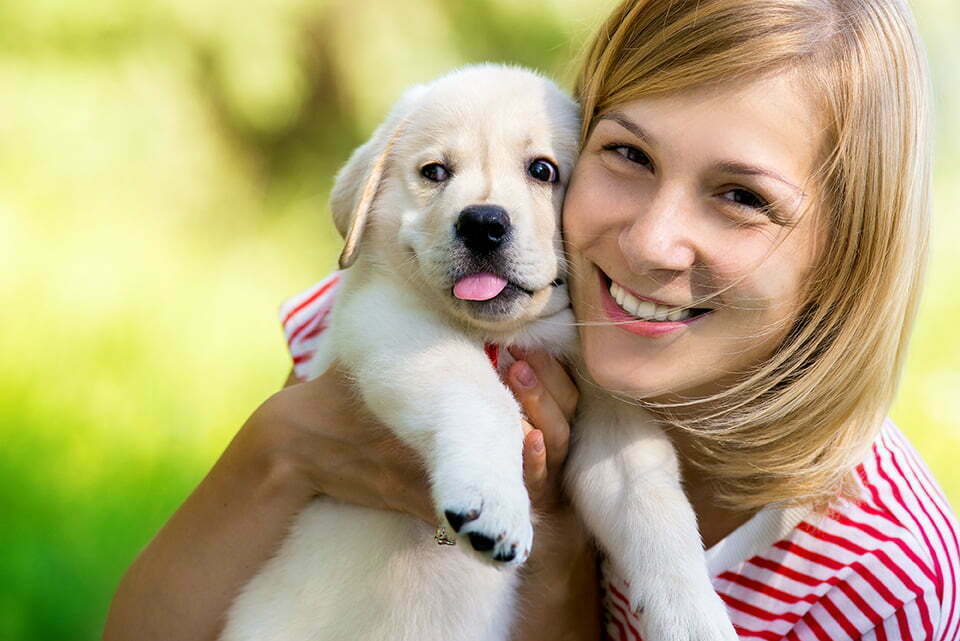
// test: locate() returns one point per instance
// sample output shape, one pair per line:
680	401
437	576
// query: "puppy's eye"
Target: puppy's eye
543	170
434	172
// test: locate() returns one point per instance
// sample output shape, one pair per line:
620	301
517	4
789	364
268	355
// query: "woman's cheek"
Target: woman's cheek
596	200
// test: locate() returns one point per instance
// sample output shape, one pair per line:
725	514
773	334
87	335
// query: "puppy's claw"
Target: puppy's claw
480	542
506	556
457	519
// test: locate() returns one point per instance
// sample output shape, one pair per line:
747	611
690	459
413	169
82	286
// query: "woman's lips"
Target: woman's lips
631	324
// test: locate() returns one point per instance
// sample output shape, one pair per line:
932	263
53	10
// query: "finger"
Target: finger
542	411
554	377
534	462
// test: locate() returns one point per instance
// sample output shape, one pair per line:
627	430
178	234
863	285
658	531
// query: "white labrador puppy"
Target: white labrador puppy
451	218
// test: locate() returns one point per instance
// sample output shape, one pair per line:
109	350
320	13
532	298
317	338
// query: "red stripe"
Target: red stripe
869	485
333	280
813	557
840	617
618	594
834	581
756	612
767	590
839	541
623	633
816	628
493	353
299	358
783	570
896	493
626	602
887	562
880	554
921	605
310	321
626	619
920	473
873	511
880	536
857	566
905	627
763	634
881	631
877	585
858	601
315	331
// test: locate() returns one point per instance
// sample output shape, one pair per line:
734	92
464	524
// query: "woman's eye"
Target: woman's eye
435	172
745	198
543	170
632	154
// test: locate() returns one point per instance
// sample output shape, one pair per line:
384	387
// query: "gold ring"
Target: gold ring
440	536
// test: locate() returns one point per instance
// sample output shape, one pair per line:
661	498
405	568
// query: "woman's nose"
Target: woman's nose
661	235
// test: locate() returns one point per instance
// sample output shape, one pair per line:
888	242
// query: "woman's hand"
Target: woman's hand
323	436
549	400
559	597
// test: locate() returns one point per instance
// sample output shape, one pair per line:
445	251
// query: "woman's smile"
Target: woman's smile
642	315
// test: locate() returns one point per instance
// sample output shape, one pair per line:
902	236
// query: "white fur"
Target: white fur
624	479
417	358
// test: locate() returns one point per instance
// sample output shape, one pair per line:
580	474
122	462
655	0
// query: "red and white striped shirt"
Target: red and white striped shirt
885	567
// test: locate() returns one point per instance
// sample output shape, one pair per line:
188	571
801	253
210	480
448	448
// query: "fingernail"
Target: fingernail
538	443
525	375
517	352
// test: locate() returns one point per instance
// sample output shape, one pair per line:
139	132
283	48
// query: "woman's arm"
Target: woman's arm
311	439
184	580
305	440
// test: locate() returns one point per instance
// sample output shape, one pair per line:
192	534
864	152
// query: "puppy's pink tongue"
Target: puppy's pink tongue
483	286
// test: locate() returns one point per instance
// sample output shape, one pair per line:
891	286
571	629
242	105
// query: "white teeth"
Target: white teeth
645	309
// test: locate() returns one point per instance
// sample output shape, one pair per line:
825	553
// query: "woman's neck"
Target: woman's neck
715	522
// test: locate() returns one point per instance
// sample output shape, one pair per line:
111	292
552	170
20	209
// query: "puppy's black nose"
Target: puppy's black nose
483	228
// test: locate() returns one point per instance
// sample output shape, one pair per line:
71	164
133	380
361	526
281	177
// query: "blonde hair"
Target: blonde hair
793	428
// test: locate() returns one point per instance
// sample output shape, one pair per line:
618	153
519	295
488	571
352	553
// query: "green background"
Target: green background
164	167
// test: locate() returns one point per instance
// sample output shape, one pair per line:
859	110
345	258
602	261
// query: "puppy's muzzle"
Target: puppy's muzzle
483	228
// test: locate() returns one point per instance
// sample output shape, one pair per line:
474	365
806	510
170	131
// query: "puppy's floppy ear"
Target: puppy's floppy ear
355	187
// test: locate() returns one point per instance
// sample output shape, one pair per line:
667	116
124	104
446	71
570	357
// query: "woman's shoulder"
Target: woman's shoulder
304	317
887	563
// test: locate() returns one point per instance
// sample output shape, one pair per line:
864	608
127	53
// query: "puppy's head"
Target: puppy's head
459	193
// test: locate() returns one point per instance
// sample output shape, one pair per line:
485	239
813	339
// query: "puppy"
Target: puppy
450	213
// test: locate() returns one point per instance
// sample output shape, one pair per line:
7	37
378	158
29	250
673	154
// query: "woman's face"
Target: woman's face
692	199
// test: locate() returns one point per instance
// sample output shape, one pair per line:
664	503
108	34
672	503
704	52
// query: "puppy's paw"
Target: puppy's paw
668	617
494	521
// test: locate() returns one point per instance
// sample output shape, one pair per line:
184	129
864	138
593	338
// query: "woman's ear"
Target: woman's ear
355	187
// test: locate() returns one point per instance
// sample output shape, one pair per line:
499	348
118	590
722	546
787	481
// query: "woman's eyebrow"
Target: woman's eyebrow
743	169
621	119
726	166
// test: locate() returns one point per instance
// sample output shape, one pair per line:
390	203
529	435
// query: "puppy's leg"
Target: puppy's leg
437	390
623	477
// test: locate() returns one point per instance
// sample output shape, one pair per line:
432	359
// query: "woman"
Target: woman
766	163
